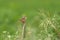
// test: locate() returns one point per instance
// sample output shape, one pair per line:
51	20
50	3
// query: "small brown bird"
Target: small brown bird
23	20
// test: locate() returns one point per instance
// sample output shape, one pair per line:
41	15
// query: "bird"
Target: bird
23	19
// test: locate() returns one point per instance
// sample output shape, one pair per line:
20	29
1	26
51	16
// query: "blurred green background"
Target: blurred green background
37	12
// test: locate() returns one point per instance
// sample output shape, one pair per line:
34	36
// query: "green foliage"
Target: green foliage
42	17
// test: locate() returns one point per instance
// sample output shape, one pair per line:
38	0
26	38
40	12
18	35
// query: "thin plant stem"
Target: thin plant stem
23	31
